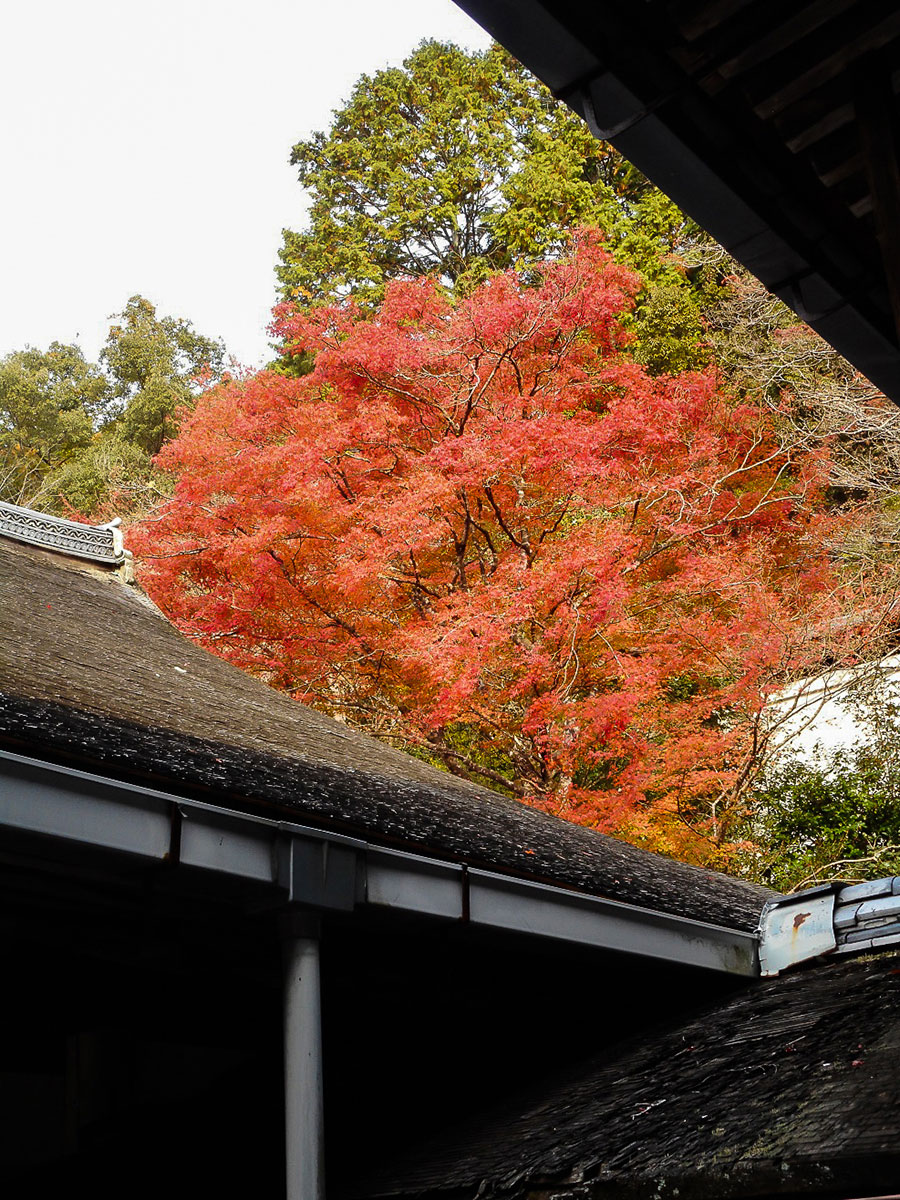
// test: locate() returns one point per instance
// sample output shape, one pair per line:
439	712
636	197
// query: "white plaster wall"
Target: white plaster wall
819	716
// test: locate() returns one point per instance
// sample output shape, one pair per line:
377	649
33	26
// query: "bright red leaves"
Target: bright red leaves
479	530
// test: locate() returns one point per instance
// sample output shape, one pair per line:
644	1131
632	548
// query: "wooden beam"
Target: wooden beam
775	41
829	67
709	16
876	113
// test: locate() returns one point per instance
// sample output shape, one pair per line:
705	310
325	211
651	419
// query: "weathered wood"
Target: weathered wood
774	41
846	168
698	19
820	116
788	1088
828	67
821	127
877	112
91	674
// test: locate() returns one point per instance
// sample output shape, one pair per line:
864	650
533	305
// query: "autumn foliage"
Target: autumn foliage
478	529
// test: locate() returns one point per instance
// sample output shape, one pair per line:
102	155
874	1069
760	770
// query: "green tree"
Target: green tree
111	477
835	814
830	821
51	402
78	435
458	165
156	365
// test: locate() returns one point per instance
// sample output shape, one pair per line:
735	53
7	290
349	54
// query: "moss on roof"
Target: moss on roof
788	1088
91	674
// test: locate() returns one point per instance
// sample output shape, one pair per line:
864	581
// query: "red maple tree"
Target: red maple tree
478	529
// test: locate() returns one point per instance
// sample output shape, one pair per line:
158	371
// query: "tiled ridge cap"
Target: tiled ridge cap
101	544
833	918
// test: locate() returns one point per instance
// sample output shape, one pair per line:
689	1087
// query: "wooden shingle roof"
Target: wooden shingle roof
788	1088
93	676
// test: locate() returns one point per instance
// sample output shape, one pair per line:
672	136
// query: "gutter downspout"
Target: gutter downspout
303	1095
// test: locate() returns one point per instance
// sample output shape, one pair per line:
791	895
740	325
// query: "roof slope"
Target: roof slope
93	675
788	1087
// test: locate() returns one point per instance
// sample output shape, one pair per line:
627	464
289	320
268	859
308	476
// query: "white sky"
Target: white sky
144	148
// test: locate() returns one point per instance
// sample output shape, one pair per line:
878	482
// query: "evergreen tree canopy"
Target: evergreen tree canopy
50	403
153	362
456	165
80	435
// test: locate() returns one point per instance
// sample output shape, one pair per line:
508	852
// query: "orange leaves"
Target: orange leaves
478	527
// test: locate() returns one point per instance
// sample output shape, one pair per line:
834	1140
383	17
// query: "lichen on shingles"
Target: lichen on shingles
787	1086
87	673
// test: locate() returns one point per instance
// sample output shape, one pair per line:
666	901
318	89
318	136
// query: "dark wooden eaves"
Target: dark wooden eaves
758	119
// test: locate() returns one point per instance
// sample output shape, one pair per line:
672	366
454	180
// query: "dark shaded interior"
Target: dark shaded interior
140	1050
786	1088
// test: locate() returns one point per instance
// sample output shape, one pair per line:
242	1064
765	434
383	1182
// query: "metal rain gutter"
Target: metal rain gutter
834	918
322	871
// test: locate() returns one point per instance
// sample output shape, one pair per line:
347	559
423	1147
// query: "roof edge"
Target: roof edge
101	544
314	868
833	918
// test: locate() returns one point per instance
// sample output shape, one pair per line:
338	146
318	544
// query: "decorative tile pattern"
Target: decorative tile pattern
98	543
867	915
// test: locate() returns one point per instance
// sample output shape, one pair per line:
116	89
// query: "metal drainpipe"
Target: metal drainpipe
303	1102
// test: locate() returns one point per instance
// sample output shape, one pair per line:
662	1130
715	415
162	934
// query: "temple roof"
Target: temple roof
788	1088
92	675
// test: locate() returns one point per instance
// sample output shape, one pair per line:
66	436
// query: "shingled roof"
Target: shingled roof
788	1088
92	675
